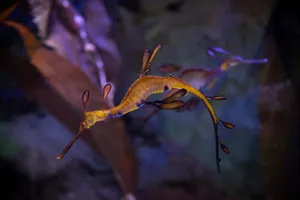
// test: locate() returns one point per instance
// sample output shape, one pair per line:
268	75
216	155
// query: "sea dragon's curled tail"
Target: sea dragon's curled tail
215	121
183	85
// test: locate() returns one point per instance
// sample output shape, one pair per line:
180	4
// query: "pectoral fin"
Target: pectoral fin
171	106
176	96
169	93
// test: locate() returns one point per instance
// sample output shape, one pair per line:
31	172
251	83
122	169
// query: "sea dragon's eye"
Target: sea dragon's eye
83	124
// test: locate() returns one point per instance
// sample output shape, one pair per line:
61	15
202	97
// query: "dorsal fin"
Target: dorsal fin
148	58
145	60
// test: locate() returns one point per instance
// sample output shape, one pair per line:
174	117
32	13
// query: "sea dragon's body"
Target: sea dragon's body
200	78
141	89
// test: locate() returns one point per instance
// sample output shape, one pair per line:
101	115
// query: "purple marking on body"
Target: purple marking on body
166	88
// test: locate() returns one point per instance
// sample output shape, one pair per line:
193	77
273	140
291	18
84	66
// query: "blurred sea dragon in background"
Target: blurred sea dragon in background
136	96
205	78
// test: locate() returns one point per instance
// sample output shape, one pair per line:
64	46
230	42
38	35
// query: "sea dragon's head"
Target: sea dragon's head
231	60
90	119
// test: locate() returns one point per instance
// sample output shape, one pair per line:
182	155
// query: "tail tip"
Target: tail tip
58	157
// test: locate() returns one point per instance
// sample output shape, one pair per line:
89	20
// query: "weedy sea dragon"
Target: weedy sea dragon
205	78
136	96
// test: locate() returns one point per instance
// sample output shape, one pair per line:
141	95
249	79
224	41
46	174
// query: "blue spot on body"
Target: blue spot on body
110	116
119	114
166	88
141	103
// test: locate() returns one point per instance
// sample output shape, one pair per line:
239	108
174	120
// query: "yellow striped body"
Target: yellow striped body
139	91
